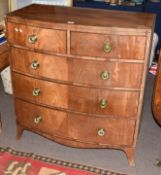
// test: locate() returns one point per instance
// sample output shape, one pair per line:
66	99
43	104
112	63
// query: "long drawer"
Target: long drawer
79	99
100	131
72	70
109	46
37	38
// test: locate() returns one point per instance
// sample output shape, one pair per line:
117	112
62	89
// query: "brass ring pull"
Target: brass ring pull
36	92
107	47
103	103
32	39
105	75
101	132
35	64
37	119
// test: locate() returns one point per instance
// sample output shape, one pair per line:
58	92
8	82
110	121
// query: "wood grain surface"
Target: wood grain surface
82	16
77	71
79	99
62	124
93	45
47	39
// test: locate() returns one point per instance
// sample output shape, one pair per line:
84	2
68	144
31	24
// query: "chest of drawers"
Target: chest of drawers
78	75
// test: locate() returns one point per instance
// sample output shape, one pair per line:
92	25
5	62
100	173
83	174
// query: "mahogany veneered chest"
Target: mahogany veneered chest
79	74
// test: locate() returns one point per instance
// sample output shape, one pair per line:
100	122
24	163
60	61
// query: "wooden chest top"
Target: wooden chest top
82	16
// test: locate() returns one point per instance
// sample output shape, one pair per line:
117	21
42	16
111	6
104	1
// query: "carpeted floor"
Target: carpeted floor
148	145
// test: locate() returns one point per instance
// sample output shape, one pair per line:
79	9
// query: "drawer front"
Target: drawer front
86	100
98	131
37	38
94	73
109	46
102	131
44	120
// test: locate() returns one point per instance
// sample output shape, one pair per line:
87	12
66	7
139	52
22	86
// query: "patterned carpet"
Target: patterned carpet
20	163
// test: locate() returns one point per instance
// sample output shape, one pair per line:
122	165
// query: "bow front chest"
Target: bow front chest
78	75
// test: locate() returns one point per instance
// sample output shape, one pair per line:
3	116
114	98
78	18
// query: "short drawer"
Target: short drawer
79	99
37	38
109	46
96	130
40	119
84	72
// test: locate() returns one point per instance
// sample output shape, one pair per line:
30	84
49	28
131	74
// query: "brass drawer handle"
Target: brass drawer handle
107	47
37	119
103	103
105	75
35	64
36	92
101	132
32	39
